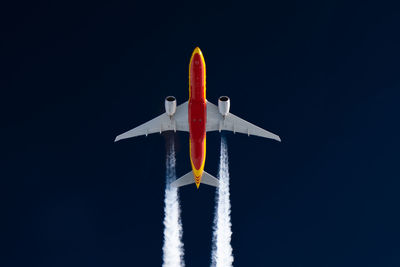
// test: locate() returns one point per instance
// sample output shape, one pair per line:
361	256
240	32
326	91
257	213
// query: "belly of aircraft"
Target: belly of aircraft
197	125
197	114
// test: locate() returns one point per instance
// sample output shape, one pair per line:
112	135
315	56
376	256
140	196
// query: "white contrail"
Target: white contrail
173	246
222	250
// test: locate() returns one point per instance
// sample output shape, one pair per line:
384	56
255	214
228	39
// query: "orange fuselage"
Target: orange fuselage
197	114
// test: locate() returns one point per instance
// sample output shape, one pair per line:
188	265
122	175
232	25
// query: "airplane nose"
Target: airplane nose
197	185
197	51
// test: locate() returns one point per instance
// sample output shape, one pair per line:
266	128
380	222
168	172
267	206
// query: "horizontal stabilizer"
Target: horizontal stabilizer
188	178
209	179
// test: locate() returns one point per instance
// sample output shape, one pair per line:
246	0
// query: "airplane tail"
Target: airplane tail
189	179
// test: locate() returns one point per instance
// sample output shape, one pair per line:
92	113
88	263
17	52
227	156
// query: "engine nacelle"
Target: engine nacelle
170	105
224	103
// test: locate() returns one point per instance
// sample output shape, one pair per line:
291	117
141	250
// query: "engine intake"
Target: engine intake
170	105
224	104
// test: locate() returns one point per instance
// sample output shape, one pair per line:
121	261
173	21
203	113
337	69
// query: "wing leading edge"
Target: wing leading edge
217	122
162	123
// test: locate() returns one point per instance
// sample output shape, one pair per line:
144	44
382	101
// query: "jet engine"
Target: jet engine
170	105
224	104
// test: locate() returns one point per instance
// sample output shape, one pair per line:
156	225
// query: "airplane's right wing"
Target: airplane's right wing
177	122
217	122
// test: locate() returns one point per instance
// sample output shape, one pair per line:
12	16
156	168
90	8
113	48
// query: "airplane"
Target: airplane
197	116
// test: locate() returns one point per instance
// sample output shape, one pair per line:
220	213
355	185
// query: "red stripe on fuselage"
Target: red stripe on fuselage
197	110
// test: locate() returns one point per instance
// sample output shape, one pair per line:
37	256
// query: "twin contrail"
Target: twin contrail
173	246
221	255
222	250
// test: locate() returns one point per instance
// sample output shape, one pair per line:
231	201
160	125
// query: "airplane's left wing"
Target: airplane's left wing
177	122
230	122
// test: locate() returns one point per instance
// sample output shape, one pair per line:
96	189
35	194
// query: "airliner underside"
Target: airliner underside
197	116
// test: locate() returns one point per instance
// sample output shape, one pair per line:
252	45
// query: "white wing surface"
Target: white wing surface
217	122
177	122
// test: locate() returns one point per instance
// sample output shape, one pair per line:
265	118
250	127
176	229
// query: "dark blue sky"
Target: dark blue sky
324	75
